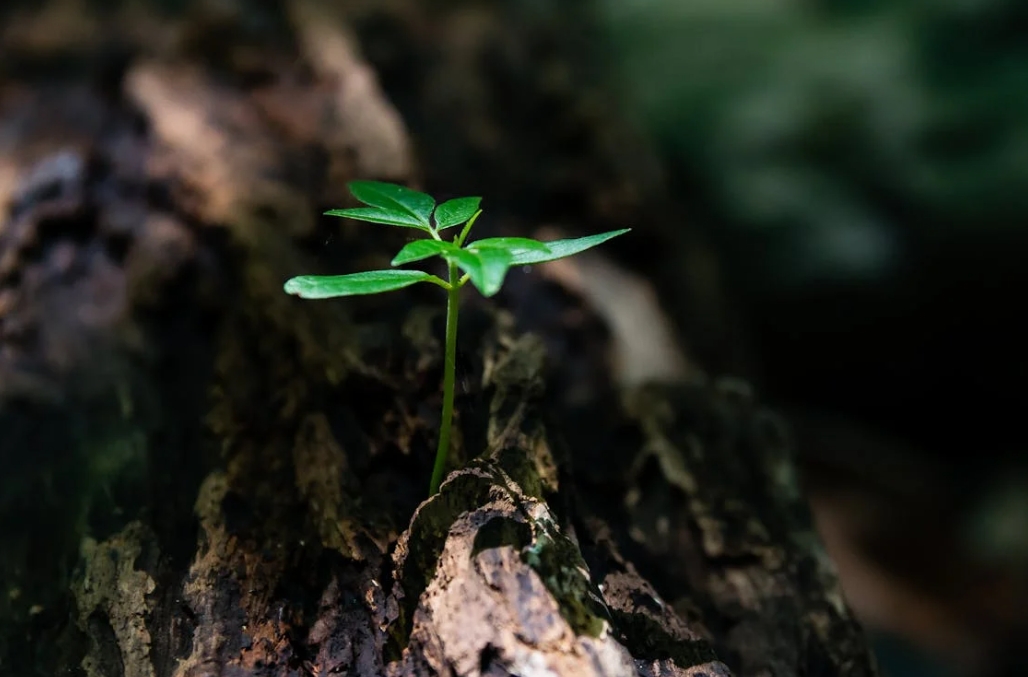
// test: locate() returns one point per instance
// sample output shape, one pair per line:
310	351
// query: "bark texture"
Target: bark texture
204	476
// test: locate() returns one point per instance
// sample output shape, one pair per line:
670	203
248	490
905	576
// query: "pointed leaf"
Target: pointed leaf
393	198
486	268
455	212
375	215
371	282
510	244
422	249
562	248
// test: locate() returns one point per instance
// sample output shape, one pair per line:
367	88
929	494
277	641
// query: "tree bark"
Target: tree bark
205	476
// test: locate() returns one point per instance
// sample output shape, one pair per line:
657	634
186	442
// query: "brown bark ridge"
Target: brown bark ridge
204	476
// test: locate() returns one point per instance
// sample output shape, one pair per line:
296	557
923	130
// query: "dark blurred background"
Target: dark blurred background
861	167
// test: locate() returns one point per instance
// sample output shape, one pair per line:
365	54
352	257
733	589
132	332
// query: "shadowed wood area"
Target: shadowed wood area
204	476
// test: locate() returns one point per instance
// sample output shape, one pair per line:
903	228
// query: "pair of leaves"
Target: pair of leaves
486	261
486	266
395	205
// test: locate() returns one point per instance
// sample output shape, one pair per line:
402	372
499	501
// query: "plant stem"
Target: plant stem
442	453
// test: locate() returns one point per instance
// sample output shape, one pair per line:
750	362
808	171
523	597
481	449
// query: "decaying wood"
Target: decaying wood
214	478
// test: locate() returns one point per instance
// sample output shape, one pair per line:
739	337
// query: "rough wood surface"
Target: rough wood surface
204	476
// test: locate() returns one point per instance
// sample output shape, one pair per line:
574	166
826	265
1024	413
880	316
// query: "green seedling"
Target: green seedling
482	262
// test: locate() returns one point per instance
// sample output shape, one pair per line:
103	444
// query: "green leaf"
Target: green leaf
455	212
422	249
486	268
375	215
394	199
510	244
560	249
372	282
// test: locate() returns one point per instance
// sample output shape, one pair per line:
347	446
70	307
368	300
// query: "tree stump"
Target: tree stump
204	476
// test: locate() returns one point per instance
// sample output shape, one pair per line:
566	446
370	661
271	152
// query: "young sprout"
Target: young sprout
484	262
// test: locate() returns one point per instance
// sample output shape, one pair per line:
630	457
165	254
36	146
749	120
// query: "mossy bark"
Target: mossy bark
205	476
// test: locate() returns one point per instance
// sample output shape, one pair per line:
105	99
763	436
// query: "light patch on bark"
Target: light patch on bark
111	585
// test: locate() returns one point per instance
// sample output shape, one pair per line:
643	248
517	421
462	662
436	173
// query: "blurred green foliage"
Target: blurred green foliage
836	121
